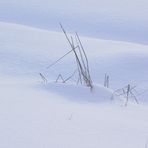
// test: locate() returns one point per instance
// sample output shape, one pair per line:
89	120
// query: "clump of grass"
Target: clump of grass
127	92
81	59
106	81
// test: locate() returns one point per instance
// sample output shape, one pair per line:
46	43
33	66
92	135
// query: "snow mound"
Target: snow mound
79	93
27	51
66	115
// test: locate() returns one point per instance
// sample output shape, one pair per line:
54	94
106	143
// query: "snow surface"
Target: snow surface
57	115
109	19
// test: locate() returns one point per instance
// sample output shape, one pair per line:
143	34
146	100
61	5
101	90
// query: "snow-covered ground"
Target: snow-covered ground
57	115
109	19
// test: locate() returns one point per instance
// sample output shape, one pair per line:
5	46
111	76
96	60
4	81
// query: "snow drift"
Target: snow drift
33	114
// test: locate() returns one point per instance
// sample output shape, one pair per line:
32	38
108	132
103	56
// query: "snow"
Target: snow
109	19
57	115
31	117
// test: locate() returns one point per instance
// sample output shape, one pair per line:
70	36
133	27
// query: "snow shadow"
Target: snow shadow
78	93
